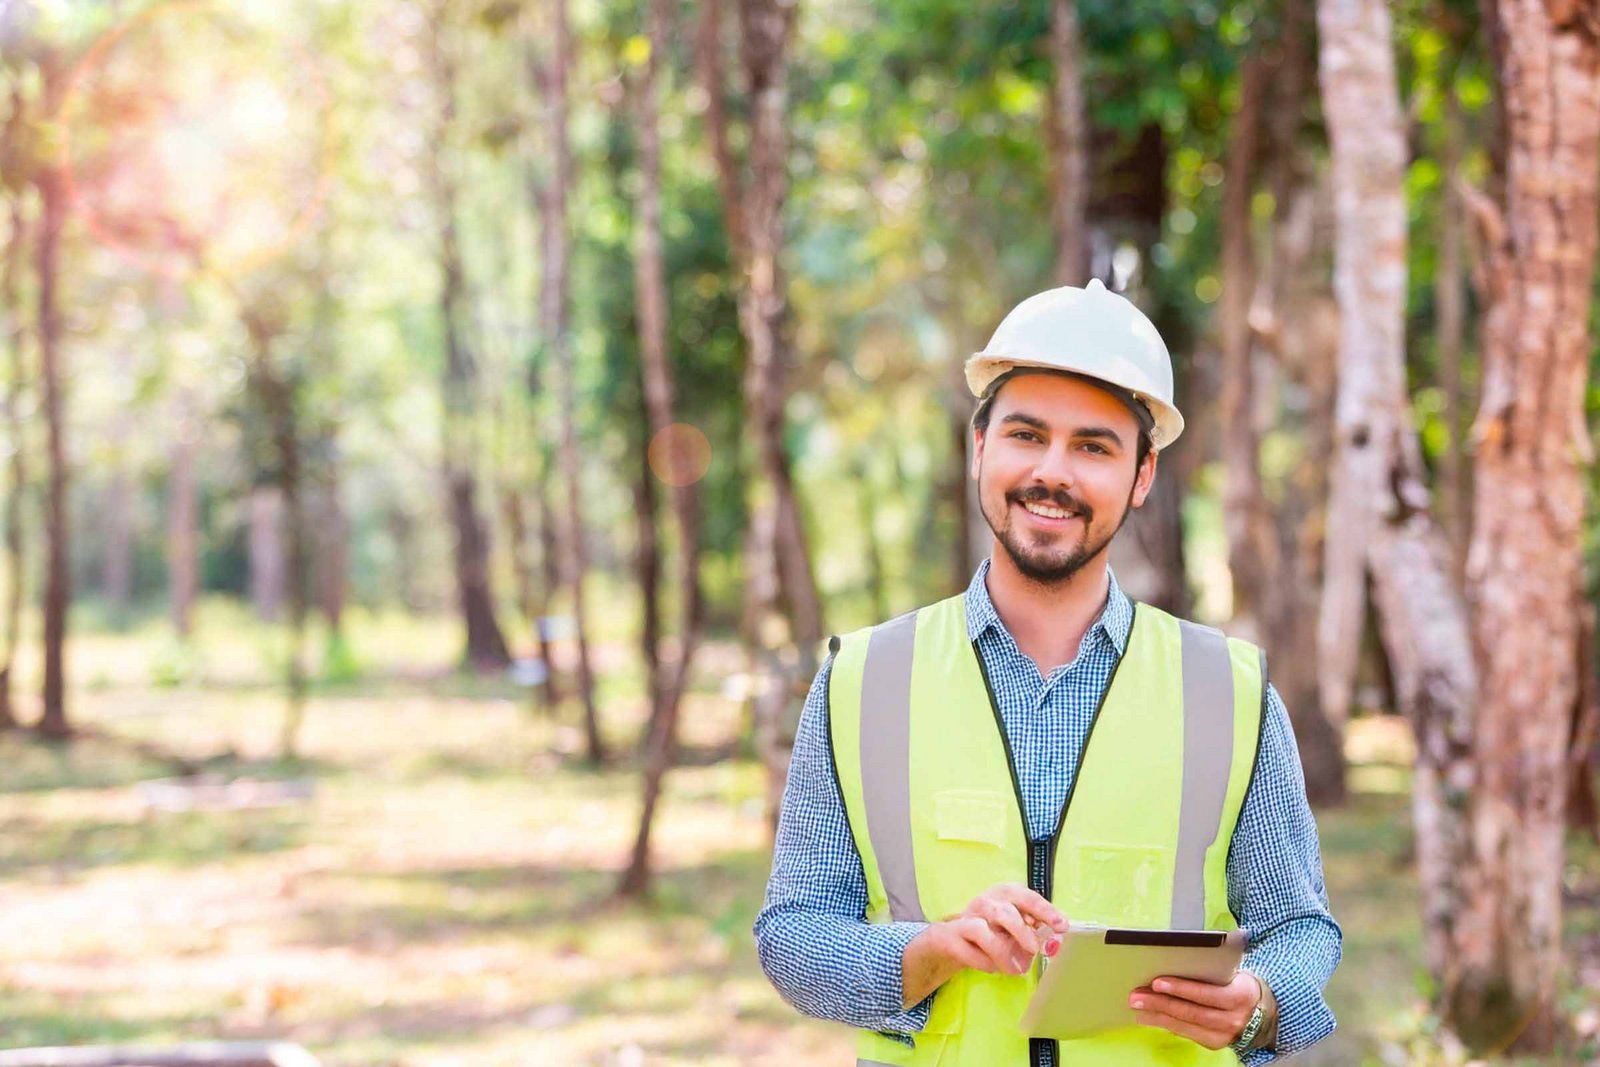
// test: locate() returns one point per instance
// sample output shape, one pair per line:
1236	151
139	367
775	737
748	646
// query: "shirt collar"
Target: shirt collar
1114	621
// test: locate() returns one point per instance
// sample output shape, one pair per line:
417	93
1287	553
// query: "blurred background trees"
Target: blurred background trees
671	301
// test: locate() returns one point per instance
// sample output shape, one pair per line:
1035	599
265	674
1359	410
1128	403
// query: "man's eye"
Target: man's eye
1098	448
1025	435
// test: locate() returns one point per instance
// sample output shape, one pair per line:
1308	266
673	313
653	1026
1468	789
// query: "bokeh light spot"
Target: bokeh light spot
680	454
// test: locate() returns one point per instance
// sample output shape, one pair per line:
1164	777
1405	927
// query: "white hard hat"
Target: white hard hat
1088	331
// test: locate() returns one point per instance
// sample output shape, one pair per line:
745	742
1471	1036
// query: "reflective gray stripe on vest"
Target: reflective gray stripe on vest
886	761
872	1063
1207	764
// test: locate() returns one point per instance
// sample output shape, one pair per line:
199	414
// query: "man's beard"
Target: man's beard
1033	563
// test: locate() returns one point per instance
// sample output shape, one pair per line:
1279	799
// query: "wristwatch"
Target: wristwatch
1252	1027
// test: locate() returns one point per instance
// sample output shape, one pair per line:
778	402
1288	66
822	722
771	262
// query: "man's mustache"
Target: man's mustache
1038	494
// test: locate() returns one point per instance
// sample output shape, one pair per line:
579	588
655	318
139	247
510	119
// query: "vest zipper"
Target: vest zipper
1083	758
1046	1052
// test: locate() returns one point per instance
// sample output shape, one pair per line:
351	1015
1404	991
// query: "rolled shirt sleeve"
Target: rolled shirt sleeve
812	936
1276	888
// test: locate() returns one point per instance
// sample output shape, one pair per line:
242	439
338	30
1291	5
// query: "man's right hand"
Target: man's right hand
1000	932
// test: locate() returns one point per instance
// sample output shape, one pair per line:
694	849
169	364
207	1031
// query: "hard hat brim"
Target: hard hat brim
982	369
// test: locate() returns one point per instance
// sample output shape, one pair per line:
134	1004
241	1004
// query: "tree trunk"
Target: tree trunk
659	388
1449	289
1295	318
1525	561
1583	748
556	312
647	564
754	217
403	533
767	27
550	565
52	372
116	574
485	642
16	474
1252	542
783	615
333	549
1068	138
116	566
183	523
872	549
1379	511
958	417
267	555
277	392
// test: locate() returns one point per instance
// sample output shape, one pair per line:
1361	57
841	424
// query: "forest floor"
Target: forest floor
444	896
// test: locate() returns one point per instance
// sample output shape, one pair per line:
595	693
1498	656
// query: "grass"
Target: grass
444	899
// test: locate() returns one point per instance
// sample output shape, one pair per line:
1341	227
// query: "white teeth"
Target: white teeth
1047	511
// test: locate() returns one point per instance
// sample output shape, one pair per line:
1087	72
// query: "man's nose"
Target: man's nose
1055	467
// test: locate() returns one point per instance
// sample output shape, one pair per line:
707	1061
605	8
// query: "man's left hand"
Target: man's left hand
1211	1015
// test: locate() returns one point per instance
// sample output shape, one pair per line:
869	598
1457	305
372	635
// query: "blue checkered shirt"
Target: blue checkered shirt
826	960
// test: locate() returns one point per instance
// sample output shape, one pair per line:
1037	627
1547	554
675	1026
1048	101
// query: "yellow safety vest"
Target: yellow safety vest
931	792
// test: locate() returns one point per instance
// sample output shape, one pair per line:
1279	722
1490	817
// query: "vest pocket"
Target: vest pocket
976	816
1114	884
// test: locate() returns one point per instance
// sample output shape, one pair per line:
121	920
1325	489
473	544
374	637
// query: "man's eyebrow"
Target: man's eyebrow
1026	420
1104	432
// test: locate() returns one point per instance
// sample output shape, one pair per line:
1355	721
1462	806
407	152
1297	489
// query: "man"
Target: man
946	811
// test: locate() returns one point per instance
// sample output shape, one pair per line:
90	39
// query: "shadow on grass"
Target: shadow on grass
34	1019
98	759
445	905
175	839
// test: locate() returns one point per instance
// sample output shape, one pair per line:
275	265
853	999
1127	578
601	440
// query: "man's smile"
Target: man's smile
1049	516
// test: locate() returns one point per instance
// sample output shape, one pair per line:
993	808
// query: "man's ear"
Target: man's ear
1145	478
977	452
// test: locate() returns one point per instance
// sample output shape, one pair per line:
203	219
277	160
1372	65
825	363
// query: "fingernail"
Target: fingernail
1138	1005
1052	946
1163	987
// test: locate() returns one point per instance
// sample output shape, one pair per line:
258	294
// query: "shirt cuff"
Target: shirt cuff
1304	1017
884	973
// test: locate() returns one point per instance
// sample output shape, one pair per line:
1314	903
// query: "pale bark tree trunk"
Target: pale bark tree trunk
1524	563
767	27
1068	139
52	373
16	475
556	319
672	675
783	611
1380	520
266	551
485	642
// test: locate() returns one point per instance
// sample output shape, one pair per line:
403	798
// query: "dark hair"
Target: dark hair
1136	407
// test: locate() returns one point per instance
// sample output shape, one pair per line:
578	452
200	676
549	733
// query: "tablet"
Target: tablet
1085	989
